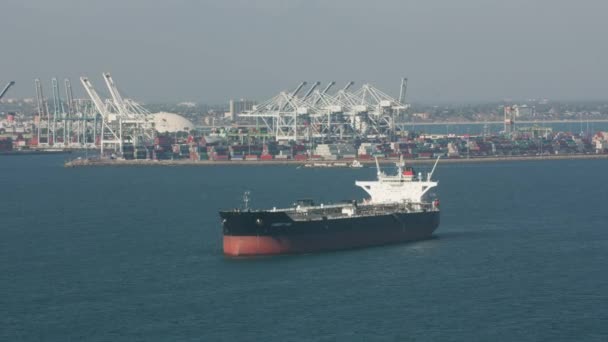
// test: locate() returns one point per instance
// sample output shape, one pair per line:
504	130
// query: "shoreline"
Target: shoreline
541	122
145	162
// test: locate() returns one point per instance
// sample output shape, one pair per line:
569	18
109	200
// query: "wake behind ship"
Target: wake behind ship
399	209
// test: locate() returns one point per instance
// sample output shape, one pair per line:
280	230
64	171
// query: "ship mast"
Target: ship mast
246	200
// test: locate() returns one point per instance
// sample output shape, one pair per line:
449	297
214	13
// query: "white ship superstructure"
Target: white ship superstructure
404	187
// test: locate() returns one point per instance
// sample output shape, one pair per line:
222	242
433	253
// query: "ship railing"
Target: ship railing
336	212
405	207
360	209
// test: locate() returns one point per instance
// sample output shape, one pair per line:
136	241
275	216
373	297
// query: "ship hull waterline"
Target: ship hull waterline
272	233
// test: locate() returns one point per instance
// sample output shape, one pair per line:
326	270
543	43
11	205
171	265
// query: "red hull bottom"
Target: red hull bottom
272	245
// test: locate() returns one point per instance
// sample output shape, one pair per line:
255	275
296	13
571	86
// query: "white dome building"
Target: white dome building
169	122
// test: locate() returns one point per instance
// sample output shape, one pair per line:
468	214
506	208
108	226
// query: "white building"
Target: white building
172	123
239	106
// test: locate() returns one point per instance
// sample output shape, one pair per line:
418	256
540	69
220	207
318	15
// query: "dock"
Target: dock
148	162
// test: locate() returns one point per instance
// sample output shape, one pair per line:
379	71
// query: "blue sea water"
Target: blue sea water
577	127
134	254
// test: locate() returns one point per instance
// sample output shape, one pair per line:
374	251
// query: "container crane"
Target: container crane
106	116
135	122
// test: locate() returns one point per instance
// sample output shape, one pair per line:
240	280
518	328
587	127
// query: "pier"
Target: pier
149	162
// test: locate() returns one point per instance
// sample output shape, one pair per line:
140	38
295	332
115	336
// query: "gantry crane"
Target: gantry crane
108	119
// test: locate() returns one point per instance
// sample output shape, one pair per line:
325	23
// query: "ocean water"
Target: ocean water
134	254
584	127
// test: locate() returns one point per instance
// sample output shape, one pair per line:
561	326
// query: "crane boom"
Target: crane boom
69	96
8	85
118	100
57	102
97	101
348	85
311	90
325	91
292	95
295	92
403	90
331	84
39	97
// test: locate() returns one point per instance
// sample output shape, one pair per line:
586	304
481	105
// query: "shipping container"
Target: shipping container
139	154
220	157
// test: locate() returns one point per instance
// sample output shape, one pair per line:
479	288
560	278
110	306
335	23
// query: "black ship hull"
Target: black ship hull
267	232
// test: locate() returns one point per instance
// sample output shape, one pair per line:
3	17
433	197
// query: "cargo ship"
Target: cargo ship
399	208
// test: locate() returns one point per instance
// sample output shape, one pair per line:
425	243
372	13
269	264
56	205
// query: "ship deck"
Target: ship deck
346	210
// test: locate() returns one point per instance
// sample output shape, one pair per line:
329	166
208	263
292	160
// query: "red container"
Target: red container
301	157
266	157
220	157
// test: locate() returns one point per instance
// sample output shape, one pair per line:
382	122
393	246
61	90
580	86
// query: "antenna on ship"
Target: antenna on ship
246	200
401	166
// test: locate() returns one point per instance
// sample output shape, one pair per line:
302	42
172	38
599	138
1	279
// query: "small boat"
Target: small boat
326	164
356	164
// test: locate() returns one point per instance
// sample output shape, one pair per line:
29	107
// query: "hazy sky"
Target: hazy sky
187	50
